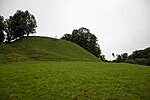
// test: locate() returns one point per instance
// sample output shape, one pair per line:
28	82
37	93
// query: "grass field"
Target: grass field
43	80
42	68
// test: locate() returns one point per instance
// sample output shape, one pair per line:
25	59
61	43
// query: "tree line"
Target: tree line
141	57
17	26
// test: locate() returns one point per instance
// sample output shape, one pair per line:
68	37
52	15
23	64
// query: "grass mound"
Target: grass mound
43	48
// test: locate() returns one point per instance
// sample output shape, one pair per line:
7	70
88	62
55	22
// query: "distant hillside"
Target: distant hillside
43	48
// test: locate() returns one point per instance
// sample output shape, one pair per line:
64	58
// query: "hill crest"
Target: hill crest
43	48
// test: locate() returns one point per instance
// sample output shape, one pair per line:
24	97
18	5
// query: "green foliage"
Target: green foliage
102	57
74	80
132	61
113	54
45	49
20	24
121	58
2	36
148	61
124	56
67	37
141	56
85	39
141	61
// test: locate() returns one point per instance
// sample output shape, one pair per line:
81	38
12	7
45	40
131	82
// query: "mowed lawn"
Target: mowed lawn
42	80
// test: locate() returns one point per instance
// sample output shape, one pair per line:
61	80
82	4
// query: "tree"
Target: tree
2	27
66	37
2	36
119	59
113	54
148	61
141	56
141	61
85	39
124	56
132	61
102	57
20	24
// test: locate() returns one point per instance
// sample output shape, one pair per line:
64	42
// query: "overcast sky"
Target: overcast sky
120	25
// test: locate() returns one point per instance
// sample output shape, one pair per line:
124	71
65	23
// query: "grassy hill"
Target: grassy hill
43	48
51	69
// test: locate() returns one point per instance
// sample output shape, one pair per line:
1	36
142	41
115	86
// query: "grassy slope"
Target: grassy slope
44	74
55	80
43	48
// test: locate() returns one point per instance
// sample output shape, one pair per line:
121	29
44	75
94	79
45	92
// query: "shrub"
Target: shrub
132	61
148	61
141	61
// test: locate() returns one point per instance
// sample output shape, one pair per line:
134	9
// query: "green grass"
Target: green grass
75	80
42	68
43	48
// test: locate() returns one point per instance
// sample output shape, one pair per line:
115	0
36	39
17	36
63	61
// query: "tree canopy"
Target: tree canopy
20	24
84	38
137	57
140	57
122	58
2	29
140	54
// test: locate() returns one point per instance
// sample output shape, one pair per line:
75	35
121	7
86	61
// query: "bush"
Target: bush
148	61
132	61
141	61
